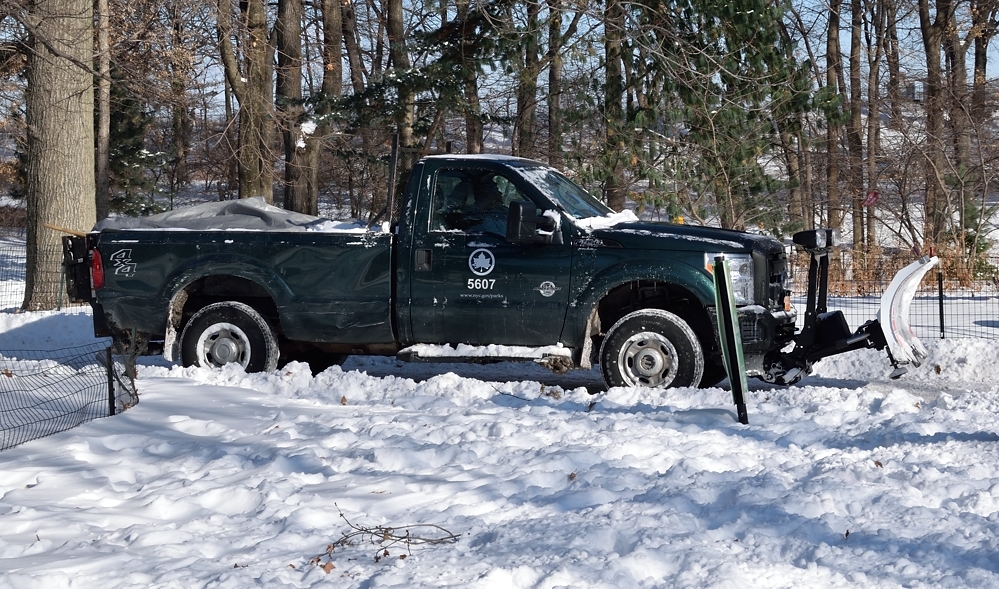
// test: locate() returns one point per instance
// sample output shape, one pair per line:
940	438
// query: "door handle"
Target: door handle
424	260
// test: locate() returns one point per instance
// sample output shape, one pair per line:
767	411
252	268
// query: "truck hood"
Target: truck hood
666	236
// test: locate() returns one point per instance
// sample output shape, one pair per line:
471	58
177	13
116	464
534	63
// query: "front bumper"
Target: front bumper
762	331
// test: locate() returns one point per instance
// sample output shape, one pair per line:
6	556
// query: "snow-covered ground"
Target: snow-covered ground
223	479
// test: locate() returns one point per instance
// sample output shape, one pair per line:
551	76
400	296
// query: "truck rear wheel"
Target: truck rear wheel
651	348
229	332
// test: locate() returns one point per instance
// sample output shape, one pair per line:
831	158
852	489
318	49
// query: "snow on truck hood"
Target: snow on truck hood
626	228
248	214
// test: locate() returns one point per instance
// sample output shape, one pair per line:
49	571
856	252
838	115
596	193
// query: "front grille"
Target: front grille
751	327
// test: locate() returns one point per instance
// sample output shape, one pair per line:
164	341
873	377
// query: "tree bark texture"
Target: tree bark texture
527	87
290	108
834	66
932	28
555	158
253	86
614	189
103	109
59	106
854	135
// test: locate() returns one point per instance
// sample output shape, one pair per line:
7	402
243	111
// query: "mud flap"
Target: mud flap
903	345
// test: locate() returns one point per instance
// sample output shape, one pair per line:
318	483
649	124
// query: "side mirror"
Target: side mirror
523	223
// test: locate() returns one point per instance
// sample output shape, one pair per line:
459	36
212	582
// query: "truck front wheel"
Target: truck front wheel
229	332
651	348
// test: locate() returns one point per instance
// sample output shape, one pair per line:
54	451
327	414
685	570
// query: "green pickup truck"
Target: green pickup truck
492	258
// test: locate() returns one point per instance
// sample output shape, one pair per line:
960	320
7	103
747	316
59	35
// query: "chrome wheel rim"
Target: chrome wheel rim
223	343
648	359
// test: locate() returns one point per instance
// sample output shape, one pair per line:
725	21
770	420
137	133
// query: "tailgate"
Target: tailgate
76	264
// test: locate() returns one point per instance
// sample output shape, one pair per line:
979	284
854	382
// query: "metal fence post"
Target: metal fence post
112	405
940	294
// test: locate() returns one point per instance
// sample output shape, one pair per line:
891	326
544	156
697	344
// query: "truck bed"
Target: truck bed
325	287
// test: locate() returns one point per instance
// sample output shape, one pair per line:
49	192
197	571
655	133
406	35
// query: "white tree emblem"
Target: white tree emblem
481	262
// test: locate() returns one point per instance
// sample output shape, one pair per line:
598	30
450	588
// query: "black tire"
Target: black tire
229	332
651	348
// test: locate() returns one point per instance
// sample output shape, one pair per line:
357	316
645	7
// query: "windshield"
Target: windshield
574	200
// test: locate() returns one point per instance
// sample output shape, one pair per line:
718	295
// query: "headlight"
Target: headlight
740	268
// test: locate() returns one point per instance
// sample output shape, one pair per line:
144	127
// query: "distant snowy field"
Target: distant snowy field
223	479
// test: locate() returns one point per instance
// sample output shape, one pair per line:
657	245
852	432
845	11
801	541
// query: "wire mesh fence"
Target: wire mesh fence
13	272
45	392
955	300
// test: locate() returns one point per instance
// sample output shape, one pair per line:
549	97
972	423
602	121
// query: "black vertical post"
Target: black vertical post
393	166
111	397
940	299
730	337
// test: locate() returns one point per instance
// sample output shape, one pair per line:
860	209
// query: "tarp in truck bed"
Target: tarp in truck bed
248	214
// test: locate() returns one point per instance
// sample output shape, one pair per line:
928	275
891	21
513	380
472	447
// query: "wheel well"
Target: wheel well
656	294
214	289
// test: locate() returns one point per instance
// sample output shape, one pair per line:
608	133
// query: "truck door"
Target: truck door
469	285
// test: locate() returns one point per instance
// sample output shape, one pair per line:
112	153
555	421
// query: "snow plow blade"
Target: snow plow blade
893	316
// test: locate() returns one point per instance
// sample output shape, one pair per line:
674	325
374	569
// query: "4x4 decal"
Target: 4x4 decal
122	262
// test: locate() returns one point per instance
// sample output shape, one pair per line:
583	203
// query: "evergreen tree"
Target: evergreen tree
129	161
716	83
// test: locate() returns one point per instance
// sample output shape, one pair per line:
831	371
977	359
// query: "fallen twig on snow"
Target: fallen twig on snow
387	536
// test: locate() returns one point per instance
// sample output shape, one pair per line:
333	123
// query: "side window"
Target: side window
475	201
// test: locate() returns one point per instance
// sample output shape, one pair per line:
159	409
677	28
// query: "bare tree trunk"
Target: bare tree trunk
291	108
793	175
253	86
231	139
984	14
614	188
330	89
470	80
892	59
555	83
395	28
854	135
833	66
59	108
180	117
103	110
959	110
527	87
353	48
808	204
876	52
932	34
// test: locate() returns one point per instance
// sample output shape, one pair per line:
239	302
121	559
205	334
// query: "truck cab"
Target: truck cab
507	251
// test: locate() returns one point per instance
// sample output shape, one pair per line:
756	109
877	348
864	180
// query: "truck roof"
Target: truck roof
491	157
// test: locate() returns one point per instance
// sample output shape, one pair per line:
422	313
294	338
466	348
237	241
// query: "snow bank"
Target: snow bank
218	478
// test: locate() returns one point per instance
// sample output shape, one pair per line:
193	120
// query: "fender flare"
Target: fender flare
246	269
585	322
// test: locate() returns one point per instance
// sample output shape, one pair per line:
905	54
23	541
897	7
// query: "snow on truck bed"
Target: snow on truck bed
248	214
